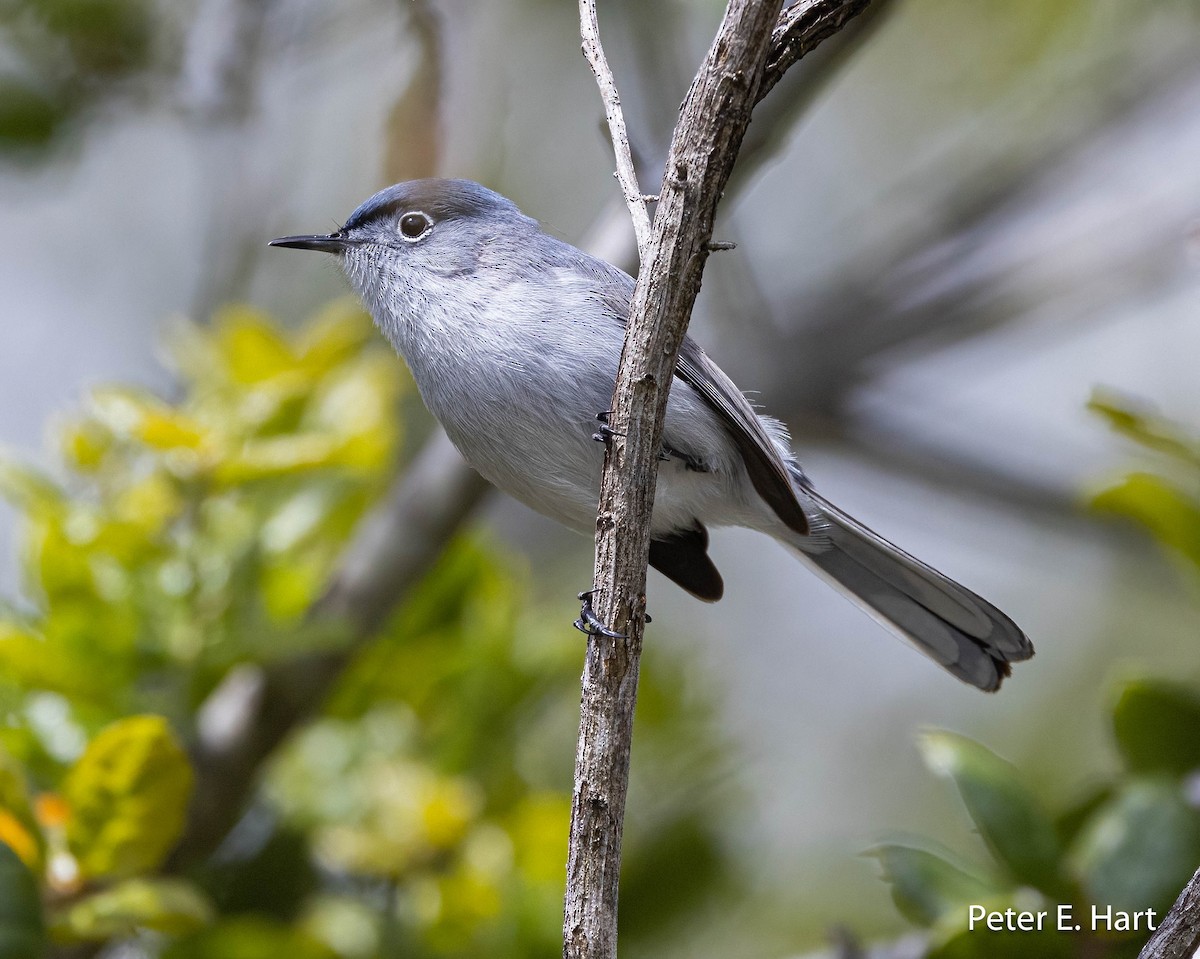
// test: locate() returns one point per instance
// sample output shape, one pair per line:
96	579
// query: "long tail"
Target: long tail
947	622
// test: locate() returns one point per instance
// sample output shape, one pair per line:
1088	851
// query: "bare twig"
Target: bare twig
1178	935
589	29
713	121
802	27
608	236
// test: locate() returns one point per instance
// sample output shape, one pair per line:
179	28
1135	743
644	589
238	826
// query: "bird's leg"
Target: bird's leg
589	623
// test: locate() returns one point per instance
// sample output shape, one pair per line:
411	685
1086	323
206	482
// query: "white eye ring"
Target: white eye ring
414	225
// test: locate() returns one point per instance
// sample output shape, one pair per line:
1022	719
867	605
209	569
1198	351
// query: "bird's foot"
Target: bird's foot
591	624
605	433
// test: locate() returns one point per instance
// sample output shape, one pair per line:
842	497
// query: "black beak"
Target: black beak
332	243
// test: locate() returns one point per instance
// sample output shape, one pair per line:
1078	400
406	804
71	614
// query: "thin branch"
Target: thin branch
776	118
608	236
802	27
713	121
1178	935
589	29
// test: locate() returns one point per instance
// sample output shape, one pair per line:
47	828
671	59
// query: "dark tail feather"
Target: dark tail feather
947	622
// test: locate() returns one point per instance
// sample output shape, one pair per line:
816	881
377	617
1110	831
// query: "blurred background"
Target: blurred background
954	224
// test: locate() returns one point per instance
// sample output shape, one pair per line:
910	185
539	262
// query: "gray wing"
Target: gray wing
765	465
767	470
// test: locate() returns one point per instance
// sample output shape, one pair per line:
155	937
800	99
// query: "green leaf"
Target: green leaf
22	931
29	490
128	796
29	119
335	335
684	856
171	906
1171	515
926	887
253	345
1146	427
1139	850
1071	820
249	938
1155	723
1011	821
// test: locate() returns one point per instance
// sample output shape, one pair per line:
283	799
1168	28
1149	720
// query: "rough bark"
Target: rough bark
713	121
1178	935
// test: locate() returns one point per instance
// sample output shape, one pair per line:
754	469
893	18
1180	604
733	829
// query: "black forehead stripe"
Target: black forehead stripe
441	199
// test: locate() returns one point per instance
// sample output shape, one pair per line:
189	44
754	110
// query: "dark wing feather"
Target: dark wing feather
766	467
767	470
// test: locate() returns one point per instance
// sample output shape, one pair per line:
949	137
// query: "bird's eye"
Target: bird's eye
415	225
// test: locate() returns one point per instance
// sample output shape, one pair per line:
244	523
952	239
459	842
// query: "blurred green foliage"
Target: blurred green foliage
424	814
1130	843
60	57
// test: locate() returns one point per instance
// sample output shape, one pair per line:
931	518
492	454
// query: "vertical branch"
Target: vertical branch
712	124
589	29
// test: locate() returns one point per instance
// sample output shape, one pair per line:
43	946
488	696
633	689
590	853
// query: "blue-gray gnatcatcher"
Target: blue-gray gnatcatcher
513	339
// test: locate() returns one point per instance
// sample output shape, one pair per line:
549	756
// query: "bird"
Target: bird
513	338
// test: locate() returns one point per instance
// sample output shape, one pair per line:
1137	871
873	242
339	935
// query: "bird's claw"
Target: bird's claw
589	623
605	433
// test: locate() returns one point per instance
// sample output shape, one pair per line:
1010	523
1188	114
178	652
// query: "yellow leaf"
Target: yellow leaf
122	410
334	335
24	657
253	347
449	807
150	504
18	827
166	429
289	587
85	444
14	835
537	828
128	797
277	456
